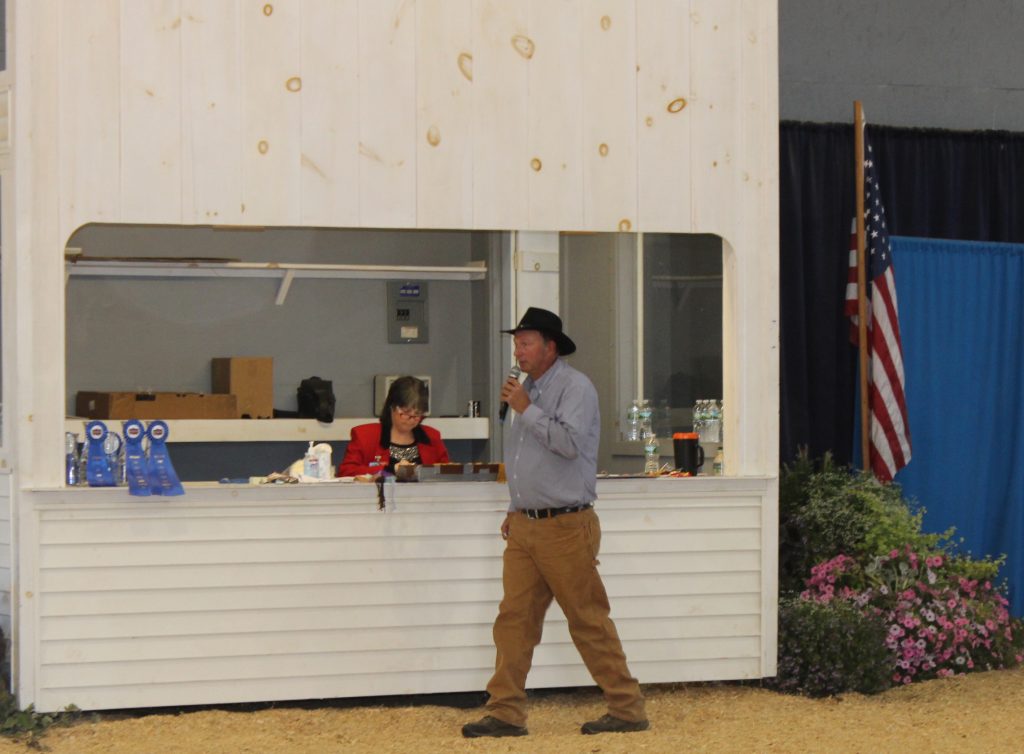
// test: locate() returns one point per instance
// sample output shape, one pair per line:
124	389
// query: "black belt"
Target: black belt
552	512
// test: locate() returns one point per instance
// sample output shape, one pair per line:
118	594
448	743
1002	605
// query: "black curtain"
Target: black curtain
935	183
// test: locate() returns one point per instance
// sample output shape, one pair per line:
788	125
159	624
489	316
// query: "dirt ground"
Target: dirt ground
978	713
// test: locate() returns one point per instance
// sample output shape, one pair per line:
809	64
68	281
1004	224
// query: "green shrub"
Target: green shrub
830	648
830	510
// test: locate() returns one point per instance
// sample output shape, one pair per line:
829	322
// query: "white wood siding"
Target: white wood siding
231	595
6	564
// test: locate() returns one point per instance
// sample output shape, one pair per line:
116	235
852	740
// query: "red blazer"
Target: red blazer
365	454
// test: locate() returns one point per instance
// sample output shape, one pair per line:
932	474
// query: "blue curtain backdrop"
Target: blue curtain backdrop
961	311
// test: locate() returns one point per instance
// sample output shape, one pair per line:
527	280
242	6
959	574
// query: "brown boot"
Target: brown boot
492	726
610	724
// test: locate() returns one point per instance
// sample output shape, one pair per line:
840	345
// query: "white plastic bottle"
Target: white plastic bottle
311	463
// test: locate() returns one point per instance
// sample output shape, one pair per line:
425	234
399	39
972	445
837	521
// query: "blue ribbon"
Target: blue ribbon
135	466
163	480
97	468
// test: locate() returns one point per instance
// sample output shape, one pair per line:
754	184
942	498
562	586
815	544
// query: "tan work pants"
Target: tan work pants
557	557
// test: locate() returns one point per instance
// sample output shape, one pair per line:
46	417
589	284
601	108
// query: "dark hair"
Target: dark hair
405	392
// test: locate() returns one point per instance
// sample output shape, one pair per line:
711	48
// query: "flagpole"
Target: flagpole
862	306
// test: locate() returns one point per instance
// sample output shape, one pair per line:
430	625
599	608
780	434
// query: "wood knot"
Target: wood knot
433	136
294	84
536	164
465	63
268	9
523	45
625	225
603	150
676	105
263	147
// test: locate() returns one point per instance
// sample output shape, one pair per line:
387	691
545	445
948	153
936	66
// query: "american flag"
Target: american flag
889	430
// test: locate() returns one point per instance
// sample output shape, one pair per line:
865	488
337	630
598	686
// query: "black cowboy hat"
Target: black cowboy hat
548	323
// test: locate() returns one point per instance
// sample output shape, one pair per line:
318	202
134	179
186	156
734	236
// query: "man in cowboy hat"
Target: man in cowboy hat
553	535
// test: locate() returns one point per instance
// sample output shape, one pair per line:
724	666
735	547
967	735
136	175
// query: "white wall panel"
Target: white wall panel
555	135
224	586
663	115
387	113
609	115
444	115
271	112
501	163
211	103
716	116
6	564
330	112
151	122
90	113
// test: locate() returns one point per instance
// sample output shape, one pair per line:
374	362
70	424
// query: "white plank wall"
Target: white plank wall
89	90
387	113
150	110
444	115
564	115
609	115
491	114
6	564
555	130
663	124
211	102
211	598
272	113
501	160
330	113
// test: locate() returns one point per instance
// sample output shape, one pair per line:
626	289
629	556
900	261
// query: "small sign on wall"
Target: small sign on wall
407	312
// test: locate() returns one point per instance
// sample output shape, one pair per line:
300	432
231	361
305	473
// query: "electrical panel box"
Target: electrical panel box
407	312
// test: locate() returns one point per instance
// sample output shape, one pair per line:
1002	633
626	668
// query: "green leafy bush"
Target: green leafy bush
830	510
849	545
830	648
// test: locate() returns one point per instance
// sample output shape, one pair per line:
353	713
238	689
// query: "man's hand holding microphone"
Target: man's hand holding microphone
513	394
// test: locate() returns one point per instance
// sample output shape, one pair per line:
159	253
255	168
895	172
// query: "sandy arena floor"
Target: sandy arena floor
978	713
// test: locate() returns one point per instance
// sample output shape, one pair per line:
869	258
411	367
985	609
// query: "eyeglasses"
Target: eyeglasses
409	415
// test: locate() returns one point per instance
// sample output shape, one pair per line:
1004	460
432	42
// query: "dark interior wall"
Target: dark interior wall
160	334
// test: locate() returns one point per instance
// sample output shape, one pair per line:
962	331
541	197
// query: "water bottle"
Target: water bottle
71	461
714	422
652	461
633	421
718	464
698	419
645	419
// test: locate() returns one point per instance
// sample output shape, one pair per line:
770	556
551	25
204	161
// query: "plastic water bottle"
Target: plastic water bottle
652	460
633	421
718	464
714	422
645	419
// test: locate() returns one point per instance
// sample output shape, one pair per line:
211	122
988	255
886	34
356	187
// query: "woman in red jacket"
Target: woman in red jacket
399	436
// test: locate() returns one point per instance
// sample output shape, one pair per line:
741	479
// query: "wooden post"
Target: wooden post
862	307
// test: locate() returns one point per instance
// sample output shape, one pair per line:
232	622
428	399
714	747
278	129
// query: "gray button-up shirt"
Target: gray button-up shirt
551	448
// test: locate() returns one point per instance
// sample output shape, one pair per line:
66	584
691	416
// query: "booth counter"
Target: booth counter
258	593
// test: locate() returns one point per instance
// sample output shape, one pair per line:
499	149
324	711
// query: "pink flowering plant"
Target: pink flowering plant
939	622
885	603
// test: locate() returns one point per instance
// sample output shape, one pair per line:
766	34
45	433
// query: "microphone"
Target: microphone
513	374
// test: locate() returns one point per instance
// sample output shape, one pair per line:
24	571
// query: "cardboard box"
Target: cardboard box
250	379
125	405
